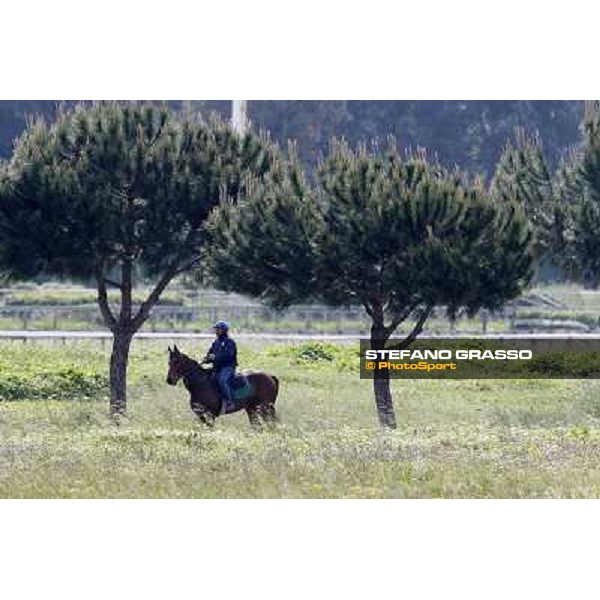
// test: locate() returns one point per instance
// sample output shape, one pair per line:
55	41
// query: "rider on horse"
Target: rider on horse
223	355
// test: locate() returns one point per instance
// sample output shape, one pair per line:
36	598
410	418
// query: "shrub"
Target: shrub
316	352
342	357
67	383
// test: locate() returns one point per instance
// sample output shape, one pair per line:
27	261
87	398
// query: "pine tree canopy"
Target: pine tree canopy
396	234
120	182
582	192
522	175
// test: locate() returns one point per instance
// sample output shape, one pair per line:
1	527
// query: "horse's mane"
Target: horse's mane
189	359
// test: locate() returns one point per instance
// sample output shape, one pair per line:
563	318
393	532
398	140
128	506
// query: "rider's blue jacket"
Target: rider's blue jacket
225	352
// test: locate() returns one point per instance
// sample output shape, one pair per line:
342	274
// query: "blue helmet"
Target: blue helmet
224	325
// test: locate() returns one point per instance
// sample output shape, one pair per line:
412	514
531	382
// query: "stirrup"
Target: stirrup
226	404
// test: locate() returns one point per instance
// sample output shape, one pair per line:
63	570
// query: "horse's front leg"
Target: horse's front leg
204	415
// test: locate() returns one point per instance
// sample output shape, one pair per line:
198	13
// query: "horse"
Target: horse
205	400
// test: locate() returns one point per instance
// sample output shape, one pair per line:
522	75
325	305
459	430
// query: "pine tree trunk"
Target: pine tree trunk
118	371
381	379
383	399
124	327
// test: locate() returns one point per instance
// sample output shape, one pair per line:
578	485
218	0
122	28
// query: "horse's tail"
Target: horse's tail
276	386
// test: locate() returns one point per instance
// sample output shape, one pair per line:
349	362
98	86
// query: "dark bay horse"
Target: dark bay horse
204	397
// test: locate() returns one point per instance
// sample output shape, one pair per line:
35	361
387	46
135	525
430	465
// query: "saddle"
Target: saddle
241	388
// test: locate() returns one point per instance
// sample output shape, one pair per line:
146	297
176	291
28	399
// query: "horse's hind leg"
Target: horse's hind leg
267	412
253	417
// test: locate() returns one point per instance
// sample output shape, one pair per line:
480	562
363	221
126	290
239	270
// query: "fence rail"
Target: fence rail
245	316
103	336
530	314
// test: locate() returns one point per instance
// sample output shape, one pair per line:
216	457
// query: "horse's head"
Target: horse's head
179	364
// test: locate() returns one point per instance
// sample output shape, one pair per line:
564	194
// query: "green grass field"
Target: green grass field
488	438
